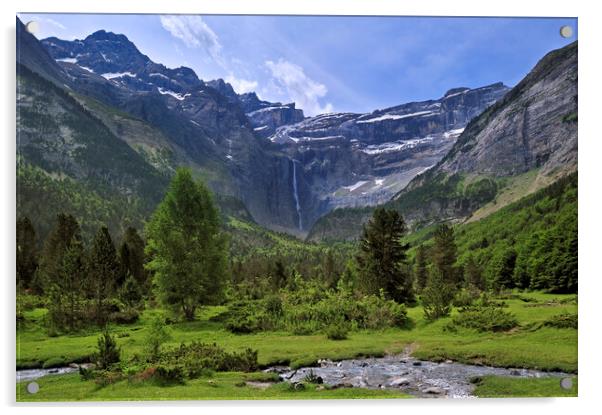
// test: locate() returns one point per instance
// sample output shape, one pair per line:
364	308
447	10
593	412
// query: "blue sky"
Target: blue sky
330	64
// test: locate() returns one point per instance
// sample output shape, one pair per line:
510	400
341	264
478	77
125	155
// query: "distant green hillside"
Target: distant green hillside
533	241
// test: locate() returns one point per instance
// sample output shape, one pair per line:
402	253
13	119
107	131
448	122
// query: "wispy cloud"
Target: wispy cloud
195	33
241	85
289	80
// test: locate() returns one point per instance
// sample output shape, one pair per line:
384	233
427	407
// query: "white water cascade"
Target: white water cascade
296	195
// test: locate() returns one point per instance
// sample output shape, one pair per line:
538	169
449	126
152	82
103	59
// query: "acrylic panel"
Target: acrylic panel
295	207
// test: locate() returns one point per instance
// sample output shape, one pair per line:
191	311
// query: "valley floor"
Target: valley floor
532	345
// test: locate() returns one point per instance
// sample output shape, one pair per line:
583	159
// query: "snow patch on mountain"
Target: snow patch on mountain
111	75
177	96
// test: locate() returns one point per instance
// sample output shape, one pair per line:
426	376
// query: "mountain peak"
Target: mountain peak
457	90
110	36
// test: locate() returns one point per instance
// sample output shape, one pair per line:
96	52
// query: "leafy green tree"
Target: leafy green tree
421	267
382	257
58	241
103	271
444	254
188	251
27	255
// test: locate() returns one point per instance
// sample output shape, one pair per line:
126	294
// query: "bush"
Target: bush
248	316
196	358
54	362
169	375
104	378
485	319
108	352
311	377
337	331
85	373
562	321
124	317
465	298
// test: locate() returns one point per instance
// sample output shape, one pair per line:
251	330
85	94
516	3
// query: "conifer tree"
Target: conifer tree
27	255
444	254
72	283
187	248
132	257
65	232
382	257
103	270
421	270
474	274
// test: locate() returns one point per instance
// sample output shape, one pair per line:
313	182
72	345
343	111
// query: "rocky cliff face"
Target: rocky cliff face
204	123
533	128
353	160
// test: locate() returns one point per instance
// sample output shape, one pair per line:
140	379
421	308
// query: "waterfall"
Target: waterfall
296	195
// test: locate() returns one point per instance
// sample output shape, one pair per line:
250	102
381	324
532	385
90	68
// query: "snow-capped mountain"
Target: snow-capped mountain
287	169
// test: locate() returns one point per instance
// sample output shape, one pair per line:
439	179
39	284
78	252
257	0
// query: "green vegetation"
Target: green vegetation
186	246
171	312
497	387
221	386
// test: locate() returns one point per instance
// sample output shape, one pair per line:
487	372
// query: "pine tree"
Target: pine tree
473	274
58	241
132	258
27	255
279	276
437	296
130	292
103	271
420	269
382	257
505	270
72	283
444	254
187	248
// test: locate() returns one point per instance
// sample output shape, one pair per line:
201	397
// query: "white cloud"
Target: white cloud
52	22
195	33
241	85
290	80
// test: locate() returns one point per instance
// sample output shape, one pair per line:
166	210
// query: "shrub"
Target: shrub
311	377
465	298
85	373
248	316
485	319
562	321
337	331
104	378
169	375
196	358
124	317
107	351
54	362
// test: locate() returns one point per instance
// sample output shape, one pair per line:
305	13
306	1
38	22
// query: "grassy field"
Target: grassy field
529	346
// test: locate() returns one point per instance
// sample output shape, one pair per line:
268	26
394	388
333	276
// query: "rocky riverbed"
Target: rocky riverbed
419	378
28	375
